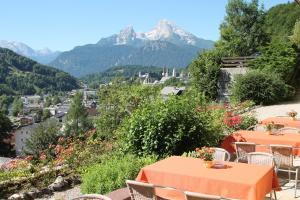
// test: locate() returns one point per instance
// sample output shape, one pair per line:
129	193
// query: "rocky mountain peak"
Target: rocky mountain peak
126	36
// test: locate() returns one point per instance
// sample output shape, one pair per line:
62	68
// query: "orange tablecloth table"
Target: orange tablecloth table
260	137
286	121
237	180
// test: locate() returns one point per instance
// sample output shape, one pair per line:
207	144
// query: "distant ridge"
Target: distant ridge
43	56
166	45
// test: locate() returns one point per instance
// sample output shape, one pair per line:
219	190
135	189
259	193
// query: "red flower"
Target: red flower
197	149
232	121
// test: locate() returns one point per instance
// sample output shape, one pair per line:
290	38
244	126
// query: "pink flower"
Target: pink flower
42	157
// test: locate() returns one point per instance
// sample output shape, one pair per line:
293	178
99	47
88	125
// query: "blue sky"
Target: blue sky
63	24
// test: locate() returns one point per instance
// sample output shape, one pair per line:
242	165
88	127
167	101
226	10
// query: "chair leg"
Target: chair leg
271	195
289	174
275	195
296	181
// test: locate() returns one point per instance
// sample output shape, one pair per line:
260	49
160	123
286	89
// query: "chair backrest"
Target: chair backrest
199	196
141	191
289	130
242	150
221	154
284	153
92	197
261	158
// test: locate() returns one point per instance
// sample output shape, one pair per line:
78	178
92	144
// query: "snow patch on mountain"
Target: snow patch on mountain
163	31
43	55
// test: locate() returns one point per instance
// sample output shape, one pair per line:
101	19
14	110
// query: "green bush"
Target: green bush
112	173
247	122
261	87
170	127
278	57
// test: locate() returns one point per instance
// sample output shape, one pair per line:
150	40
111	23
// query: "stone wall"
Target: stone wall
225	80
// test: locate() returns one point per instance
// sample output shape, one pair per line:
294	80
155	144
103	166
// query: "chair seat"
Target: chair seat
296	162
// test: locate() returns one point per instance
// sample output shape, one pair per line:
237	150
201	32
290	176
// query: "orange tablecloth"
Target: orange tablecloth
286	121
260	137
238	180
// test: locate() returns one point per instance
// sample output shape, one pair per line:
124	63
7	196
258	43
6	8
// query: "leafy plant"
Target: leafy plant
279	58
170	127
261	87
112	173
118	101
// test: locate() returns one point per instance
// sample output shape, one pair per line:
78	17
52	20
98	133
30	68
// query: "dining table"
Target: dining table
285	121
233	180
262	139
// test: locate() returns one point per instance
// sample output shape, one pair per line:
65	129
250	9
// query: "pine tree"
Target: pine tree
77	118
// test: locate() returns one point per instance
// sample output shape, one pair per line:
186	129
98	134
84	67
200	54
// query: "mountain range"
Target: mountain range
166	45
43	56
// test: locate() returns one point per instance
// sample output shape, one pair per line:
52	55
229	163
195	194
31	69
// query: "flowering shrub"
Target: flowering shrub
234	121
205	153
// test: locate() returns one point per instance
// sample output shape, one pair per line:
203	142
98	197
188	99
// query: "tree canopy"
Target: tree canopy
242	31
77	118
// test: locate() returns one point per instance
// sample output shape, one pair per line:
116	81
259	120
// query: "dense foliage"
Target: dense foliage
205	72
280	20
295	37
261	87
5	102
277	57
20	75
112	173
171	127
5	128
242	31
119	100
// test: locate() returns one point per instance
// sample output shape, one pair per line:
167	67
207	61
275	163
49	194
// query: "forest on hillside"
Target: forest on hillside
22	76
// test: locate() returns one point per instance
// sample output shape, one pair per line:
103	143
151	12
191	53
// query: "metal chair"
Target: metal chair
141	191
260	158
242	150
199	196
92	197
221	154
284	153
